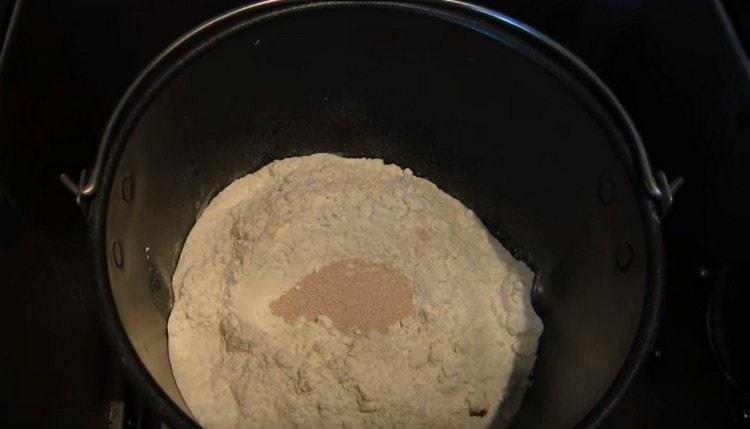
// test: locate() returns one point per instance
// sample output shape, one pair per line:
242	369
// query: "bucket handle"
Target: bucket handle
658	187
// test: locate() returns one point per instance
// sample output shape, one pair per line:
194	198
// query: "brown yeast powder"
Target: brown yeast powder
356	295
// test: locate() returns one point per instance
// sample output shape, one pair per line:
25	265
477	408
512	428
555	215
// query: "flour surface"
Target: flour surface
462	358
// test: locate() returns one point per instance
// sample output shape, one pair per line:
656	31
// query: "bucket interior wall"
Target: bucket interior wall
487	125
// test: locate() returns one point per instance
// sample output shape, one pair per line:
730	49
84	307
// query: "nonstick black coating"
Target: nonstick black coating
480	105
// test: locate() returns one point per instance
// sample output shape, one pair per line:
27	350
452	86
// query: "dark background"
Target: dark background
682	76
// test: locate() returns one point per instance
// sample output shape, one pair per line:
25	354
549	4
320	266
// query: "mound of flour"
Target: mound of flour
461	356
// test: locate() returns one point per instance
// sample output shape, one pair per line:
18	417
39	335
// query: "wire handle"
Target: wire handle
663	191
659	188
82	190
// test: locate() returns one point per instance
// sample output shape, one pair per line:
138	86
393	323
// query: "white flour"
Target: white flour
466	354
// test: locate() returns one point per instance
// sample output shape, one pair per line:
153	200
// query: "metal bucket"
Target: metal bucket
493	112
